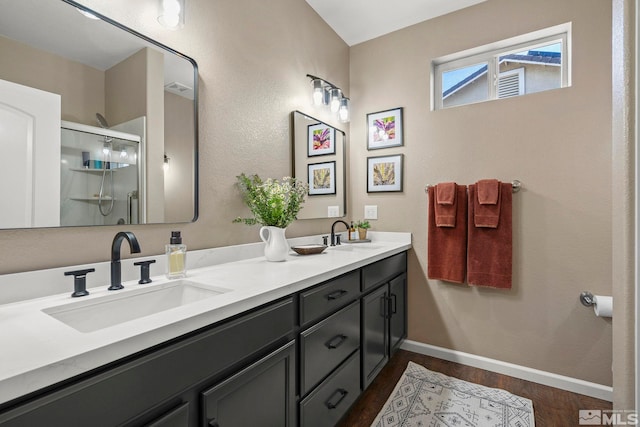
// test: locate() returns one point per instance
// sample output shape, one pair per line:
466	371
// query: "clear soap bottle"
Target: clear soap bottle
176	257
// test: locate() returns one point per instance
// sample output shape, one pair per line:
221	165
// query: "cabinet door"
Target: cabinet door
398	312
374	334
262	394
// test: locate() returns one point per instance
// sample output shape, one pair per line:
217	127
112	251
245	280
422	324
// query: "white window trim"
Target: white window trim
490	53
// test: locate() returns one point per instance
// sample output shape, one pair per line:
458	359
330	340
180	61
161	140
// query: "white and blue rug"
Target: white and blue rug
423	398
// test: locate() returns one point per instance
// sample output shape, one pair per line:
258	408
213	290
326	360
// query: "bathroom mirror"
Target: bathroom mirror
318	153
98	123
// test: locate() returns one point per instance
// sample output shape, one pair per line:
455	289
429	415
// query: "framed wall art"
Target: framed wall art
322	178
321	140
384	173
385	129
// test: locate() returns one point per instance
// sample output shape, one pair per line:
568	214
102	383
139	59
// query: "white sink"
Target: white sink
105	311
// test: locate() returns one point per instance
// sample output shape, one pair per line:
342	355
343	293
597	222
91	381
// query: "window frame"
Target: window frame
491	53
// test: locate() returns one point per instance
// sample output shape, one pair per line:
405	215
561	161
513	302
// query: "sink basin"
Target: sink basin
110	310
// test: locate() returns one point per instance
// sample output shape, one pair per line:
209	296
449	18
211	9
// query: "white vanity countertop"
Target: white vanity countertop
37	350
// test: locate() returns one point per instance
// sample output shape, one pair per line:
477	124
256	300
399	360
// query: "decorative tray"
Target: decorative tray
309	249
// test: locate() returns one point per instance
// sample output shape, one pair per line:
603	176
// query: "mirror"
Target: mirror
319	159
98	124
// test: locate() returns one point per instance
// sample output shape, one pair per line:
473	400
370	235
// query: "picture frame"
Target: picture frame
321	178
385	129
321	140
384	174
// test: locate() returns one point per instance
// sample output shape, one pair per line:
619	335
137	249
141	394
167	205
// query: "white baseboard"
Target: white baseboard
541	377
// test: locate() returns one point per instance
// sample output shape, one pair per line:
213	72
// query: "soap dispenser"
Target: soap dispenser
176	257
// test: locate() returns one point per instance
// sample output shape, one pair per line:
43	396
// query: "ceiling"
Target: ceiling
357	21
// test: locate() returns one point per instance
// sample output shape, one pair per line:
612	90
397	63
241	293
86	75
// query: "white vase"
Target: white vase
276	248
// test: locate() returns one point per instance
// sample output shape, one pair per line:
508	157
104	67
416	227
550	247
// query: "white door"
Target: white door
29	157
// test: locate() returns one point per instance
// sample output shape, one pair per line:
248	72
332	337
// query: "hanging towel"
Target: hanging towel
447	246
489	250
445	204
487	204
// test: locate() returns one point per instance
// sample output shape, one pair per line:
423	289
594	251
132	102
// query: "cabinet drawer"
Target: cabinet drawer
178	417
383	270
328	297
327	344
331	400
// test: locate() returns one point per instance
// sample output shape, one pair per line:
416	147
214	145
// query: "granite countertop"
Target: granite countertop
39	350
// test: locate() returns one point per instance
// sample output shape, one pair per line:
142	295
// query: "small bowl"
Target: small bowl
309	249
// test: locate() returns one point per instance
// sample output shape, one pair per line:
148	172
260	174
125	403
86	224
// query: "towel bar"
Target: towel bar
515	186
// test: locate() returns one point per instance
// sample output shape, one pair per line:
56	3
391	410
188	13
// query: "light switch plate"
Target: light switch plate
370	211
333	211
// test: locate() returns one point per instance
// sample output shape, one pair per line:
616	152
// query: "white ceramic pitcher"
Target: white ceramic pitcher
276	248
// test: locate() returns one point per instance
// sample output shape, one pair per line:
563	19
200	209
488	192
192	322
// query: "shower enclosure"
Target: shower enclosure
100	176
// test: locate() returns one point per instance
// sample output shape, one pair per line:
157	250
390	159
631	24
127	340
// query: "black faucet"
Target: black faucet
116	278
333	234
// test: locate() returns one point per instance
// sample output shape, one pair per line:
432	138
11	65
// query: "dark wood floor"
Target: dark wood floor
552	407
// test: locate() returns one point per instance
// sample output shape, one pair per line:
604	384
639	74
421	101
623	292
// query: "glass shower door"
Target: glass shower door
99	177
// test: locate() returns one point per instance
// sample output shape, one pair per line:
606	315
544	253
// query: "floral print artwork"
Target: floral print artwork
384	174
321	139
385	129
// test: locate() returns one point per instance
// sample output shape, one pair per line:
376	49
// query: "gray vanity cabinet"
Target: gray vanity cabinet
262	394
384	319
161	385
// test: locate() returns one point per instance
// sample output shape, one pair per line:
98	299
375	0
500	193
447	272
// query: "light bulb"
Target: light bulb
343	112
170	13
318	92
335	100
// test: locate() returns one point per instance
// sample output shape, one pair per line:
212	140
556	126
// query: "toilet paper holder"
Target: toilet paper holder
586	298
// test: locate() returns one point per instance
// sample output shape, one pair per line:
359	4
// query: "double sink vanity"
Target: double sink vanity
240	341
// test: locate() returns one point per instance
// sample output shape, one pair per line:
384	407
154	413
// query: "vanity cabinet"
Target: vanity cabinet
264	391
384	317
158	386
302	360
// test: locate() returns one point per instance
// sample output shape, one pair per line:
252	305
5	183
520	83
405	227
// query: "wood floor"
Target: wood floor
552	407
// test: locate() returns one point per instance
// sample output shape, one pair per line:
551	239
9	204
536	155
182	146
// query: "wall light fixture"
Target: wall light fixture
326	93
171	13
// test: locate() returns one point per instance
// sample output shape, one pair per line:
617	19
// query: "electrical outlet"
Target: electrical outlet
371	212
333	211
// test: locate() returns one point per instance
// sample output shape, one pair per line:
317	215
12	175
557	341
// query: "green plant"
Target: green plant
363	224
272	202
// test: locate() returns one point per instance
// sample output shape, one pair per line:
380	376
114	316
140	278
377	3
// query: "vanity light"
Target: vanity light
343	111
326	93
171	13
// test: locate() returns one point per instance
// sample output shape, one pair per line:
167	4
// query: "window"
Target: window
522	65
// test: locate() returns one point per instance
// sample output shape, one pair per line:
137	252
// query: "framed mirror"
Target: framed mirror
98	123
318	153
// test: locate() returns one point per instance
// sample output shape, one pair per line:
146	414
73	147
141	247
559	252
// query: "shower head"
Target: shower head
102	121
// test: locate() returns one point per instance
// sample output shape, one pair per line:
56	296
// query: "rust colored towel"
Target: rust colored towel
487	203
445	204
447	246
489	250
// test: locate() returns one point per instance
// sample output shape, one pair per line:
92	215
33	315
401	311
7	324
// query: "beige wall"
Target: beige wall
253	57
178	143
558	143
81	87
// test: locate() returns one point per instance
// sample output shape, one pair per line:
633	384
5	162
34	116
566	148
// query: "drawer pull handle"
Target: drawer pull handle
337	294
213	423
342	392
336	341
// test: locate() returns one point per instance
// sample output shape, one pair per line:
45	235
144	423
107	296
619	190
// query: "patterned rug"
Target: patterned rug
423	398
